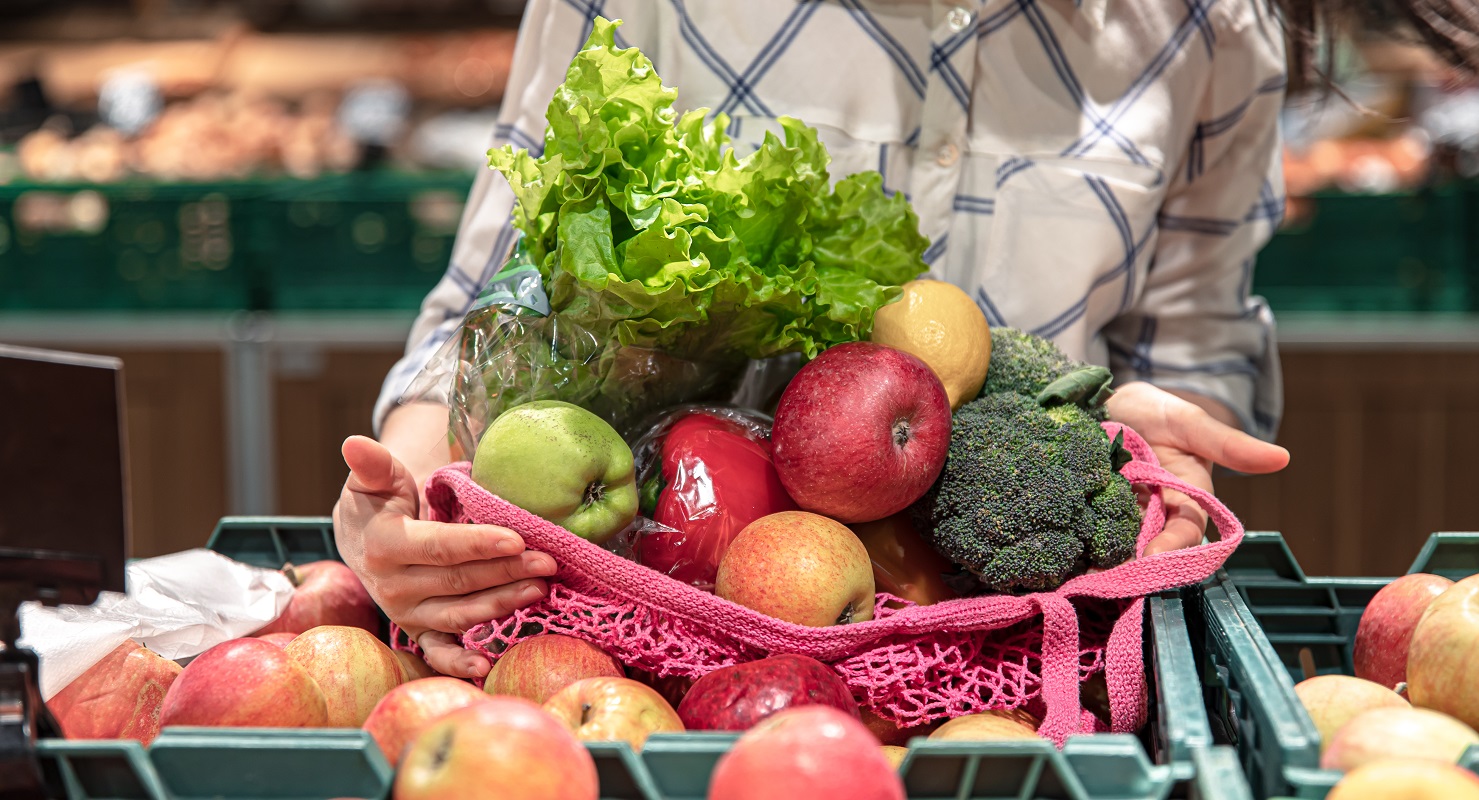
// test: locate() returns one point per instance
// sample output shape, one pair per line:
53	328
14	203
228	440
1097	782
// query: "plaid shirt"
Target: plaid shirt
1099	176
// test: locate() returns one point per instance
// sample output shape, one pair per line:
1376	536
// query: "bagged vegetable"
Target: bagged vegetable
704	473
653	262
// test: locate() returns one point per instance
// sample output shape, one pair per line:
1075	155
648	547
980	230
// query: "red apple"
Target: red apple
1387	625
801	568
806	752
414	667
673	688
1407	779
351	666
861	432
987	726
903	564
505	747
1442	667
245	683
410	707
1397	733
117	698
538	667
281	638
735	698
889	733
1334	700
325	593
613	710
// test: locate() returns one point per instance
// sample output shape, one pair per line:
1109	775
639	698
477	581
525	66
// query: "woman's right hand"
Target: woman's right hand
433	579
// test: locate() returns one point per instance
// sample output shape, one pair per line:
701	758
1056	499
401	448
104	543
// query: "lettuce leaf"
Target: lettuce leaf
649	232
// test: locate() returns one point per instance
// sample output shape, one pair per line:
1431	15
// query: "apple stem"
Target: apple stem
901	433
845	617
594	493
292	575
585	713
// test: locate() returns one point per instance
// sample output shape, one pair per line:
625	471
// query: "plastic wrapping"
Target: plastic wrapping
705	473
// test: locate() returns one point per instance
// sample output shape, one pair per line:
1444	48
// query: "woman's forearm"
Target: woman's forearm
416	434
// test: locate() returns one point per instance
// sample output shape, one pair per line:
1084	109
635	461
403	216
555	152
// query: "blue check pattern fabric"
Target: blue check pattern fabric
1099	172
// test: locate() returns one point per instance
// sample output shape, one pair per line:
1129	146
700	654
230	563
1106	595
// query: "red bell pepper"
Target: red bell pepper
715	477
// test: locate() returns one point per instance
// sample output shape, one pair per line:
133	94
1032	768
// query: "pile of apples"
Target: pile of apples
1398	727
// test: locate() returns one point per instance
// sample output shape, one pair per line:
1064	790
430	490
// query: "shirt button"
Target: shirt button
959	18
947	154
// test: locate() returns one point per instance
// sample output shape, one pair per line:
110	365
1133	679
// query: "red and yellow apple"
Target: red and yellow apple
1407	779
1334	700
407	709
806	752
987	726
895	754
245	683
1443	657
504	747
734	698
1387	625
799	567
903	564
1397	733
119	697
351	666
324	593
613	710
540	666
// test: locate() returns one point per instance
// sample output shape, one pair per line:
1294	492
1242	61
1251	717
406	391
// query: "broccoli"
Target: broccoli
1023	364
1031	493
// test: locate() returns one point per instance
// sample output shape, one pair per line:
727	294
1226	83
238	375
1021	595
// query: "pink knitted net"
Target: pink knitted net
911	664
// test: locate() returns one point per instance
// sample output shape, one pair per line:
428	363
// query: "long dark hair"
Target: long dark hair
1449	27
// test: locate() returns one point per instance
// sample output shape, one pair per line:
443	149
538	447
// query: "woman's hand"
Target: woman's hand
1188	440
433	579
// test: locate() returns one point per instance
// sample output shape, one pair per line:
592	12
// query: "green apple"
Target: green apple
563	463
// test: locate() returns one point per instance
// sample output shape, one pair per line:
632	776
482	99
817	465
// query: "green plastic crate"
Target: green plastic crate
1372	253
1256	616
377	240
127	247
1175	759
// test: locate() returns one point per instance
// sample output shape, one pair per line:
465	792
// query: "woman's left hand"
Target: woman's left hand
1188	441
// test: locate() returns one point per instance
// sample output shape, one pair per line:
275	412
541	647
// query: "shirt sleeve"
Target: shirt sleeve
1196	327
551	33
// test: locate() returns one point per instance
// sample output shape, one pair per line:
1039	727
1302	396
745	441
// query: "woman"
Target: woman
1099	174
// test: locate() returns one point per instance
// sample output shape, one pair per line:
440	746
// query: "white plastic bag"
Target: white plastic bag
179	606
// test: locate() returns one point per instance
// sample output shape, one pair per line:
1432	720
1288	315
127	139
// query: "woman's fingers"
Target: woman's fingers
446	544
444	653
1186	524
476	576
1199	433
458	614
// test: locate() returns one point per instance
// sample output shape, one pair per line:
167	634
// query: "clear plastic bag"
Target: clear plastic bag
705	473
511	350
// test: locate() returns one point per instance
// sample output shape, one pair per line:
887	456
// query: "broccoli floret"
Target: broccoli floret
1023	364
1030	494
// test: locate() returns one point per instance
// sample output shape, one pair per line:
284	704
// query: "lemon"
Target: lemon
940	325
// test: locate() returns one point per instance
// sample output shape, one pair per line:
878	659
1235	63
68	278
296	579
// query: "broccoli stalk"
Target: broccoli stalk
1031	492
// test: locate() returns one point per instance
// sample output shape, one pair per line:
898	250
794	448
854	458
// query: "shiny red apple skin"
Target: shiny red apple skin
801	568
351	666
325	593
806	752
407	709
613	710
501	749
1443	657
1387	625
861	432
245	683
540	666
735	698
120	697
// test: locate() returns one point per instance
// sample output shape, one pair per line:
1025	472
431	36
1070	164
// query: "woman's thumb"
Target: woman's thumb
372	469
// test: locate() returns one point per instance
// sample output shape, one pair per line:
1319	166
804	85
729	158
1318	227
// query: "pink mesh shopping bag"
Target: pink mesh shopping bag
911	664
